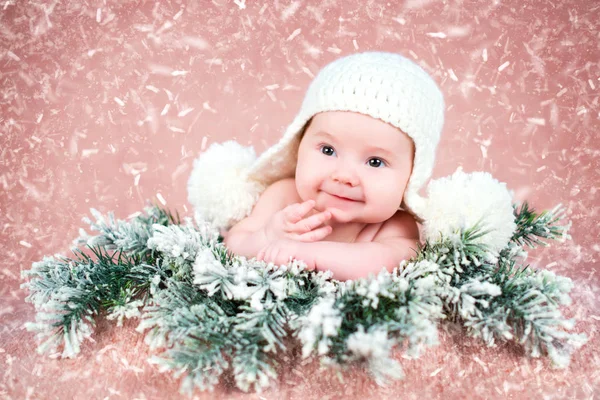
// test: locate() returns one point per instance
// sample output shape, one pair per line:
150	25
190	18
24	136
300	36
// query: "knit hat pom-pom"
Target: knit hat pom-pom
456	203
219	188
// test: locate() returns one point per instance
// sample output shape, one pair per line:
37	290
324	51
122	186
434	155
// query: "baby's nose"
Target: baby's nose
345	177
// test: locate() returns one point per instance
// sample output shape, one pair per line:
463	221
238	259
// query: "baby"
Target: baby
341	185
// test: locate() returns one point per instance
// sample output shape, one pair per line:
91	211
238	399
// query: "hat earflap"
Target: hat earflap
219	188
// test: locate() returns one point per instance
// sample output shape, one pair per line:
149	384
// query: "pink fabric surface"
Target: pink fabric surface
106	103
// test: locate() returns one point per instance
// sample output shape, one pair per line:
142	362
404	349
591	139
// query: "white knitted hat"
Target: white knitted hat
227	179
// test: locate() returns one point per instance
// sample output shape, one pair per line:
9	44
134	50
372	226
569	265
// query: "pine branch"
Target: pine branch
252	367
398	307
501	301
67	293
175	311
267	324
130	237
201	363
532	227
532	301
196	331
209	310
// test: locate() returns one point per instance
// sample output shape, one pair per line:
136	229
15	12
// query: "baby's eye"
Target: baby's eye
325	150
376	162
373	162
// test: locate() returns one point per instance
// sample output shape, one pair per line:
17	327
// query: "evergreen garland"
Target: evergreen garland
205	310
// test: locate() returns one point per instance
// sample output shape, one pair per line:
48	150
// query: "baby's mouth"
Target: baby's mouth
342	198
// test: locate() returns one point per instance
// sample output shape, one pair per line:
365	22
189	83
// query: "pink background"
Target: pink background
106	105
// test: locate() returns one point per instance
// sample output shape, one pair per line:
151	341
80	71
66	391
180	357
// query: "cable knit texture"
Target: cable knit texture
382	85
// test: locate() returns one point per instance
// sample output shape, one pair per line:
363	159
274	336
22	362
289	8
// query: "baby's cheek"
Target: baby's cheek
303	188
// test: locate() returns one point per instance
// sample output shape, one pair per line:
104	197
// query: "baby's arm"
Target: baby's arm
357	260
247	237
397	240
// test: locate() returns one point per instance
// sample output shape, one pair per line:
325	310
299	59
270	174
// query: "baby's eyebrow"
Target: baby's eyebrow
370	148
382	151
325	134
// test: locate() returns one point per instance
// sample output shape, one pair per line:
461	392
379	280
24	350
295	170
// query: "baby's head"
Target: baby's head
362	101
352	155
354	105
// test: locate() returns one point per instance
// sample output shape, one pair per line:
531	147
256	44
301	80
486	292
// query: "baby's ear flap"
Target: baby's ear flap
218	186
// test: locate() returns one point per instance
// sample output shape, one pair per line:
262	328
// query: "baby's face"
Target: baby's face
339	156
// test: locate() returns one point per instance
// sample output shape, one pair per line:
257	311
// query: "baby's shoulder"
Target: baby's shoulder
286	190
401	224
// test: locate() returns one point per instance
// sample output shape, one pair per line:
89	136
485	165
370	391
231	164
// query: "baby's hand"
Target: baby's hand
282	251
290	224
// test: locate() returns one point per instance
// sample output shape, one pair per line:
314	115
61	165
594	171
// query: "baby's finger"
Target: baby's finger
266	254
310	223
316	235
273	256
260	254
295	212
